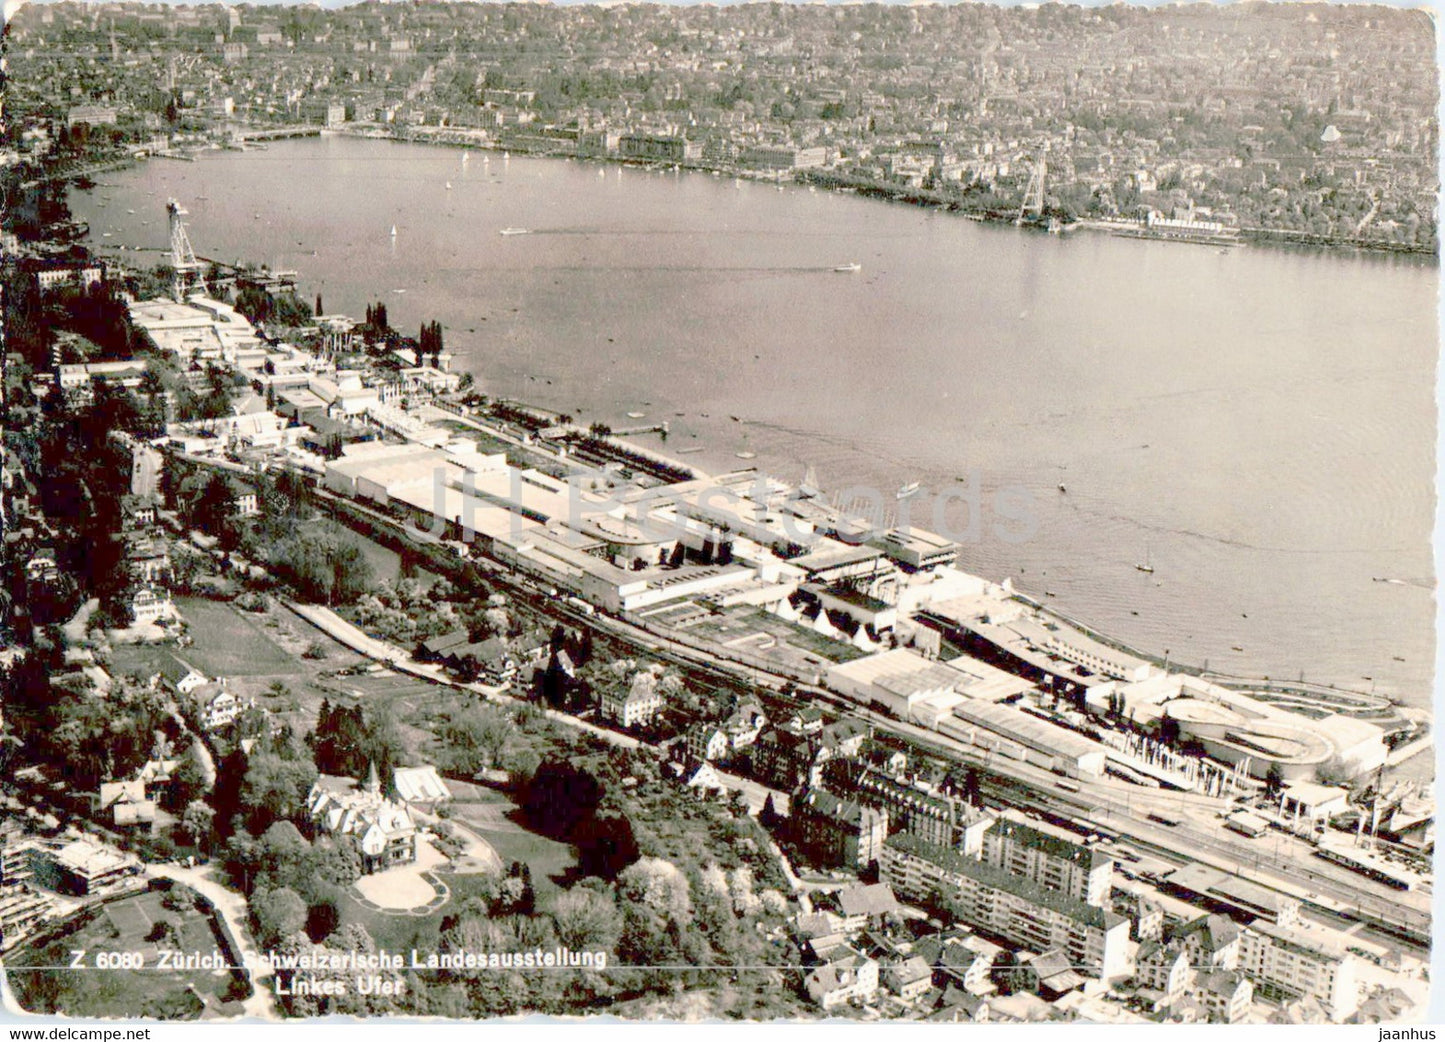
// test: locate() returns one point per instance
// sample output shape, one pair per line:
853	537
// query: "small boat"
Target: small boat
1146	566
636	415
130	211
449	186
690	448
1050	593
748	454
465	157
910	489
1062	488
1397	658
1236	647
506	155
849	268
516	231
393	231
602	173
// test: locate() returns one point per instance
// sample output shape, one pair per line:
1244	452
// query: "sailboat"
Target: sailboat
449	186
393	231
1146	566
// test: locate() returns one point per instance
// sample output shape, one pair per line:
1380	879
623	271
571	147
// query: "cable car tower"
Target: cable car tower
1032	208
183	258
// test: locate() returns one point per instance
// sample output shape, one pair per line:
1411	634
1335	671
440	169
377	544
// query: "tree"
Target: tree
605	845
199	820
586	919
972	787
278	913
274	789
214	505
559	797
1007	973
768	817
1274	781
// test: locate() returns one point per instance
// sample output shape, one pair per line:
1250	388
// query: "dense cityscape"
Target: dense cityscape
331	683
1319	129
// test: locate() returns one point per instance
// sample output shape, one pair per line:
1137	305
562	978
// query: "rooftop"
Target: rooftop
998	879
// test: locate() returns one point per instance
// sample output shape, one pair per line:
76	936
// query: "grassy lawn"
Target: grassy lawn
123	926
404	932
142	660
548	859
228	644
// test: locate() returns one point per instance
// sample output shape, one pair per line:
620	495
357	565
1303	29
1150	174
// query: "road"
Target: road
231	906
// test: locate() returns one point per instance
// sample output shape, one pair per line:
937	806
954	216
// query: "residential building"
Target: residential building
706	742
744	725
1049	858
909	979
784	759
932	816
837	832
178	676
966	963
1164	967
1225	995
1211	941
1052	975
152	604
865	905
848	977
383	830
1007	906
86	866
125	804
215	706
636	706
1290	962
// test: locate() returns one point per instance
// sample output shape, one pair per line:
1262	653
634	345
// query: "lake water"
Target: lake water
1256	425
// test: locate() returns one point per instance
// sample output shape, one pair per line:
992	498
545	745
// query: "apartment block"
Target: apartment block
1007	906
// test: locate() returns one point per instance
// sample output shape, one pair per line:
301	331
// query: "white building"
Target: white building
1289	962
382	829
637	705
1095	940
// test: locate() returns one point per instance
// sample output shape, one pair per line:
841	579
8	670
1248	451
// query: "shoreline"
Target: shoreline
461	138
1229	680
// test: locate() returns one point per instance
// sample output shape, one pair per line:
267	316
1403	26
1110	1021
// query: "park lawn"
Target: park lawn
123	926
228	644
549	860
401	933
